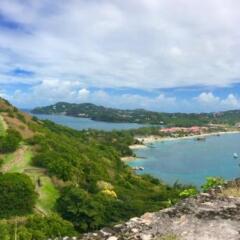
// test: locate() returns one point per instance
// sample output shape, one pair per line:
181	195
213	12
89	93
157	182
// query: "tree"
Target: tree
10	142
42	228
78	207
17	196
4	231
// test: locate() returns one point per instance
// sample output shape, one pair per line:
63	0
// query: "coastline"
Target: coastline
128	159
152	139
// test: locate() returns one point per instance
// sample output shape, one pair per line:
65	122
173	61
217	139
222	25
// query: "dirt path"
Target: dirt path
18	157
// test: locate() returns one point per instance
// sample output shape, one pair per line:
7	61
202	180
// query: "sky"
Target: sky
163	55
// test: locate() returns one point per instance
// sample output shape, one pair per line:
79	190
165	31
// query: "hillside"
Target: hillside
57	181
214	215
101	113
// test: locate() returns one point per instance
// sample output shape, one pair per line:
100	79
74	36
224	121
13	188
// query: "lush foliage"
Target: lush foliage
17	196
36	228
212	182
85	160
188	193
10	142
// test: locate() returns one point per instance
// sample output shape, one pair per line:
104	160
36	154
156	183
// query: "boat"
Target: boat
138	168
200	138
235	155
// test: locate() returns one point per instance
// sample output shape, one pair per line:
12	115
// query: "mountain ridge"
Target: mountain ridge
142	116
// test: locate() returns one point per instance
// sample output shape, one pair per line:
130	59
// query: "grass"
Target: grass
168	237
7	157
48	195
3	126
231	191
24	163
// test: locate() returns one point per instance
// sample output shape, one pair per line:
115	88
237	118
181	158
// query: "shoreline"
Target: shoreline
152	139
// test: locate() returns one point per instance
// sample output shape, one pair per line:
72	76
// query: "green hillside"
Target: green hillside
101	113
78	182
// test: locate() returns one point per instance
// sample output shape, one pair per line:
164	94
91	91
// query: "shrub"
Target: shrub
21	117
51	226
17	196
10	142
188	193
212	182
76	206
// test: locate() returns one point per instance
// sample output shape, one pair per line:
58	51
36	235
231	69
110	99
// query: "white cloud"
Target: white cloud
207	98
209	102
83	94
77	45
137	43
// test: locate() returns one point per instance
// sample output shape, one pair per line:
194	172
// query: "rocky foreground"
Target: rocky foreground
208	216
214	215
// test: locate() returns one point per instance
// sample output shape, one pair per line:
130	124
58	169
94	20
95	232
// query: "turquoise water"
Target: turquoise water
86	123
190	161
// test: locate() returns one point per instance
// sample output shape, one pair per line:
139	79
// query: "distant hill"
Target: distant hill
100	113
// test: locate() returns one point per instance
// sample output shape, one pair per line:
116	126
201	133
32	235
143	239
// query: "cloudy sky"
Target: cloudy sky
165	55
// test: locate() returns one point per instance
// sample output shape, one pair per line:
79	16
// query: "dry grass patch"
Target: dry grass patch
19	126
168	237
231	191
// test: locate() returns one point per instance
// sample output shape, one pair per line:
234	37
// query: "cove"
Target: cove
86	123
189	161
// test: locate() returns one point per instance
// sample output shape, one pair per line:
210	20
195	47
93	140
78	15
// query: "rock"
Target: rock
145	237
134	230
203	217
112	238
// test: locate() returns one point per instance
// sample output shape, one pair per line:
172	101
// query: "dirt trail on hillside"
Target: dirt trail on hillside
18	157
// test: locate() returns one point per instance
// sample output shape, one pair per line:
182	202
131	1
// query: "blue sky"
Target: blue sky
162	55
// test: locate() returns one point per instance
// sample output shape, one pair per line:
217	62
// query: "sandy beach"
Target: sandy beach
152	139
128	159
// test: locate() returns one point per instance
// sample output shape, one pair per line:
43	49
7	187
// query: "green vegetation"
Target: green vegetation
212	182
82	160
10	142
142	116
36	227
188	193
48	194
22	160
76	174
7	158
2	126
17	195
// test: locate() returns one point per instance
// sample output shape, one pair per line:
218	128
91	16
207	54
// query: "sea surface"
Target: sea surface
86	123
190	161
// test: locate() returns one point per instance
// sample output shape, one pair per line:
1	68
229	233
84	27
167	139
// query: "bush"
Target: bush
4	231
17	196
76	206
10	142
212	182
36	227
188	193
51	226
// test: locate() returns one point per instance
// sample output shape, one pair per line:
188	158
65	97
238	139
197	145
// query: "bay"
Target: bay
189	161
86	123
